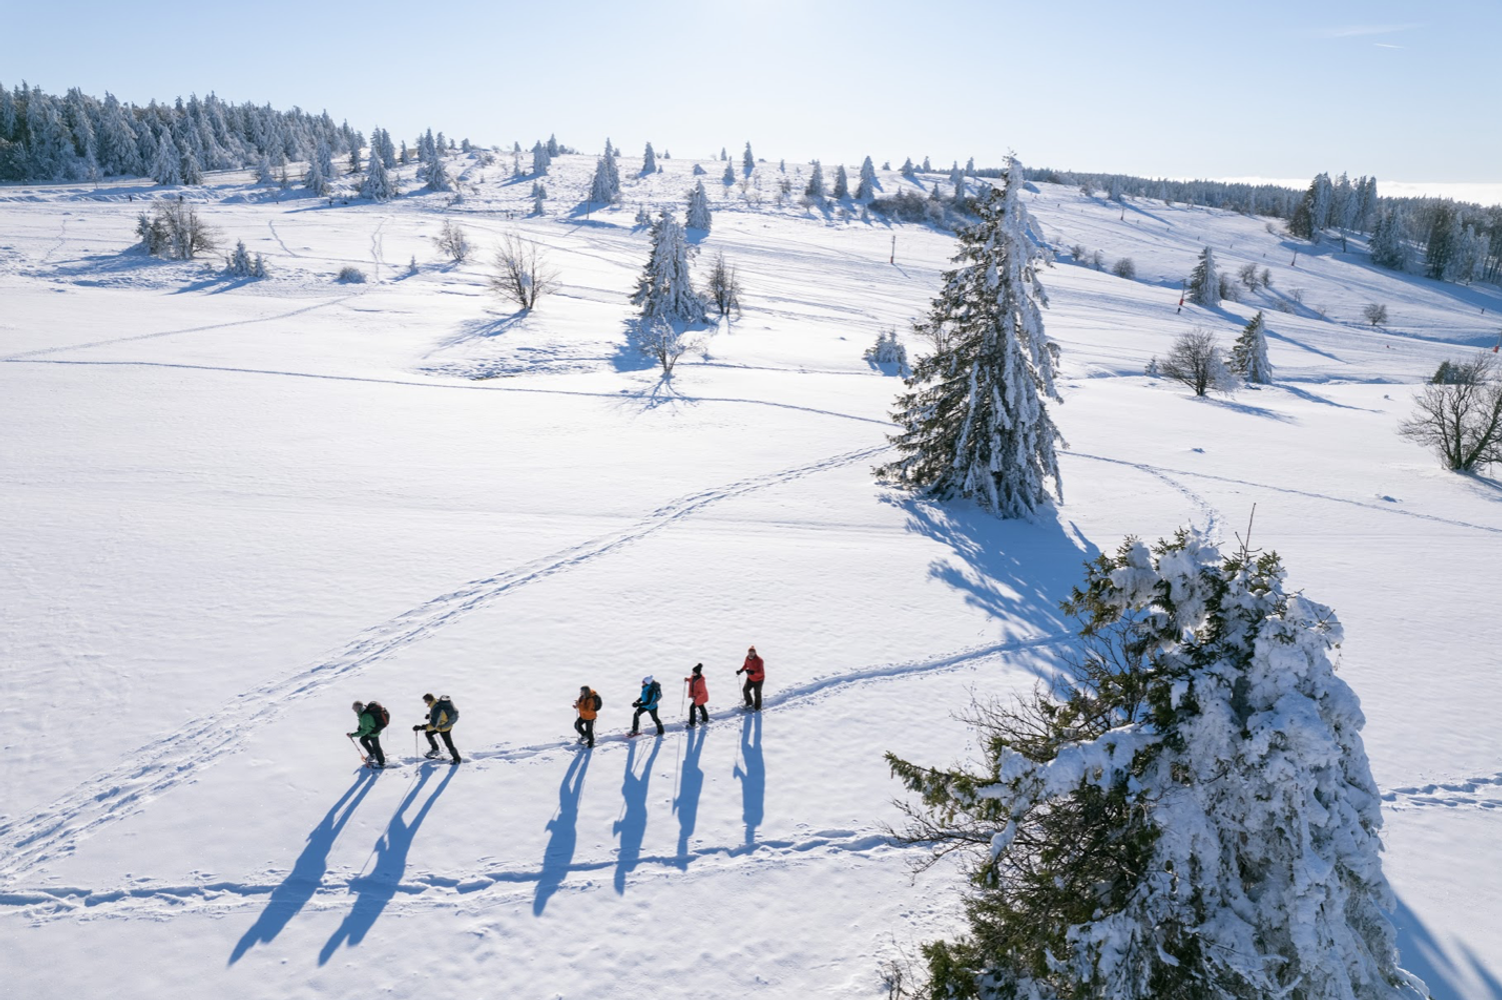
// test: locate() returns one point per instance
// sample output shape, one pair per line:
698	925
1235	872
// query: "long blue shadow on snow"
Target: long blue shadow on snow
752	773
307	871
632	826
1016	571
563	833
690	787
375	890
1449	976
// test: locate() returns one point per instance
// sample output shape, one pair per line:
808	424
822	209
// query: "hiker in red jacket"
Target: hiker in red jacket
698	695
755	670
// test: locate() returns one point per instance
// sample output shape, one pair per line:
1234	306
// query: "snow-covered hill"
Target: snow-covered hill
234	507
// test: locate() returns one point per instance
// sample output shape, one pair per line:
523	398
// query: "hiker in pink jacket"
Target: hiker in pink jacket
698	695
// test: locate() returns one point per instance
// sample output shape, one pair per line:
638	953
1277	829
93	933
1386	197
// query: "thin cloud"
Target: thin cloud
1357	31
1384	45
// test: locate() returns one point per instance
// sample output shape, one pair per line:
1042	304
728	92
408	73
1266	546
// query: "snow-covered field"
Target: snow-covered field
232	508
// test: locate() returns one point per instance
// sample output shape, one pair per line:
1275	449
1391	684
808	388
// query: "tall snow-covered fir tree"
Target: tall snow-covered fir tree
606	185
973	420
728	177
815	187
1204	281
166	168
648	161
866	189
315	180
748	162
1187	814
438	175
841	182
378	184
1249	353
698	215
665	290
540	160
1387	246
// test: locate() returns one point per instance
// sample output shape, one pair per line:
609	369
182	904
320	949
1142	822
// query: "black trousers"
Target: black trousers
703	713
636	720
586	730
448	741
372	745
752	691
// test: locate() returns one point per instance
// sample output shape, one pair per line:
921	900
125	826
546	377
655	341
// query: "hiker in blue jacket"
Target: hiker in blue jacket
651	695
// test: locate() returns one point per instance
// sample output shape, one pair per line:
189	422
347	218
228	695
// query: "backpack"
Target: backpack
447	707
378	713
599	702
654	693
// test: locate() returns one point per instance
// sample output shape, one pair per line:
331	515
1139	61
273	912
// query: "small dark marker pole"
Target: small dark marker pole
893	258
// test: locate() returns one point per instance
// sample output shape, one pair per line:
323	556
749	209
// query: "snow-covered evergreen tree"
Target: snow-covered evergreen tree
192	169
1188	813
815	187
606	185
166	168
1249	353
841	182
907	169
1387	246
927	167
239	264
748	162
553	149
315	180
867	180
1204	281
378	184
724	287
888	351
665	290
648	161
728	178
438	175
698	215
970	167
973	421
540	160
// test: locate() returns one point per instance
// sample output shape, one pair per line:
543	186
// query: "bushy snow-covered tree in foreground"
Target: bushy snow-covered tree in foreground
665	289
973	420
1189	813
1249	353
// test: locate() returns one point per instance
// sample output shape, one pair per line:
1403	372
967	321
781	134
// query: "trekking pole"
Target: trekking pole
363	758
416	747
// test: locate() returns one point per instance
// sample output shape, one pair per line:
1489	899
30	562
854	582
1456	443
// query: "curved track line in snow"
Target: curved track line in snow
27	355
29	360
1385	509
1212	516
419	889
808	689
1466	792
165	763
271	224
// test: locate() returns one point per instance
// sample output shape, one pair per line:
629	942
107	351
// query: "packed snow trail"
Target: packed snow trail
167	762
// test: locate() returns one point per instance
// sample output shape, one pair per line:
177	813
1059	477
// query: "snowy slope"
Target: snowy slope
236	507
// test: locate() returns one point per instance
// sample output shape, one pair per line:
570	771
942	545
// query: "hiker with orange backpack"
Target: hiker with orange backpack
588	706
373	719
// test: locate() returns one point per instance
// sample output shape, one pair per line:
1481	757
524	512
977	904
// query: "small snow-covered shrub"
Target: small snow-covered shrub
1125	268
888	352
1375	314
1195	360
350	275
173	230
909	206
454	241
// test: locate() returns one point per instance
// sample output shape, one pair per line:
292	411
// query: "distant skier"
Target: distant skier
651	696
698	695
441	718
588	706
755	670
373	719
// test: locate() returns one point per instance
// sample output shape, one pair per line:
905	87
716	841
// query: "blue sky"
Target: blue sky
1272	89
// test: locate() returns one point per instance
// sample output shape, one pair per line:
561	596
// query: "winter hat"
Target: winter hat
646	680
698	668
358	706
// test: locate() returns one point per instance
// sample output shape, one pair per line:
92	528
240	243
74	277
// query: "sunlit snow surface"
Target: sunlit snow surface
233	508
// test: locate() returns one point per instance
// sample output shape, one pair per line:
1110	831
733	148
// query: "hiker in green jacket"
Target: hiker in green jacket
369	733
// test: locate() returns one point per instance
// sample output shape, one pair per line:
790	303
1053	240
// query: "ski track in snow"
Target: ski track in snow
1212	516
495	884
1165	475
163	764
28	359
26	355
1477	793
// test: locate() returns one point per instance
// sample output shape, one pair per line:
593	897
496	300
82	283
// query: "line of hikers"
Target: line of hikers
442	714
